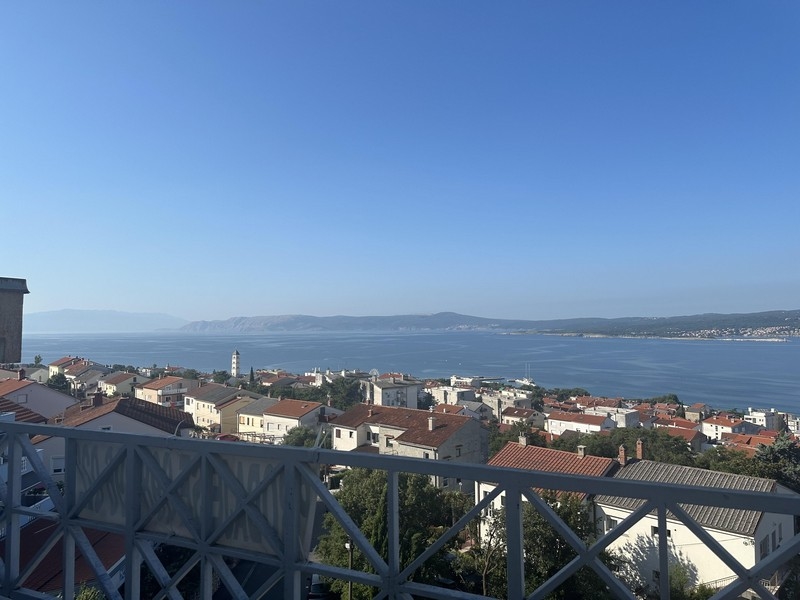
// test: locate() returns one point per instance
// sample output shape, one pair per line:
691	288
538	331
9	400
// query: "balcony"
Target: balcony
225	502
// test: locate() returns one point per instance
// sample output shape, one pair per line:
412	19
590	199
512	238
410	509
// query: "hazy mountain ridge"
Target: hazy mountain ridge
762	324
98	321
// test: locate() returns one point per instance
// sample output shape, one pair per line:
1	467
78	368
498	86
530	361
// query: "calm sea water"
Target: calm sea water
725	374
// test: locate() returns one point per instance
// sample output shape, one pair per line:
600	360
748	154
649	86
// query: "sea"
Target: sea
722	373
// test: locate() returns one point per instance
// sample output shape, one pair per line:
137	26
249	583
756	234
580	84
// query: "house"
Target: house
250	420
447	394
559	422
667	422
697	412
35	396
694	439
169	390
535	458
764	418
205	403
585	402
623	417
57	367
714	427
499	400
120	383
525	416
748	535
126	415
412	433
394	389
83	376
478	408
748	443
287	414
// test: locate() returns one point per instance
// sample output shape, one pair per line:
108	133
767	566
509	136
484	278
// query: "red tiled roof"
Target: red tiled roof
675	422
450	409
683	432
414	423
577	418
9	386
292	408
522	413
117	378
63	361
723	421
535	458
160	384
48	576
22	414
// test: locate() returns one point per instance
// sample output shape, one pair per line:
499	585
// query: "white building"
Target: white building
623	417
285	415
714	427
768	418
413	433
559	422
748	535
396	390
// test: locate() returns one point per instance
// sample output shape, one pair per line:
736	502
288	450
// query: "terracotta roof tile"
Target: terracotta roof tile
576	418
292	408
414	423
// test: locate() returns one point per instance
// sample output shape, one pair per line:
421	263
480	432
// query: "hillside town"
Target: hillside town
463	419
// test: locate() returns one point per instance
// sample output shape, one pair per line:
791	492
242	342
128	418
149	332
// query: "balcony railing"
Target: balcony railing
253	502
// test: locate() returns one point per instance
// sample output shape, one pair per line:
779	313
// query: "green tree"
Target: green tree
58	382
190	374
546	552
658	445
252	379
300	436
86	592
423	511
220	376
37	360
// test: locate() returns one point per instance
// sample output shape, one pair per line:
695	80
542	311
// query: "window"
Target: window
774	540
458	450
445	481
656	576
338	433
426	455
389	443
106	428
611	523
188	401
241	420
351	435
654	531
763	547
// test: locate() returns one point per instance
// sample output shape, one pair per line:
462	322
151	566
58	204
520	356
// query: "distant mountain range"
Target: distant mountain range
779	323
763	324
98	321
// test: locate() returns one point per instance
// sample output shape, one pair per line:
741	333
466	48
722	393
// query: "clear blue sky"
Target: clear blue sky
503	159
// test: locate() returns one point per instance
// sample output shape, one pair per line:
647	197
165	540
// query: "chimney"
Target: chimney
623	455
431	421
369	412
639	449
20	374
523	440
98	399
581	451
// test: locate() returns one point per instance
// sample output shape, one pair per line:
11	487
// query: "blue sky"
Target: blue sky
519	159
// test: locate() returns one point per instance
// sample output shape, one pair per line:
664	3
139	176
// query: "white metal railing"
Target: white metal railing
255	502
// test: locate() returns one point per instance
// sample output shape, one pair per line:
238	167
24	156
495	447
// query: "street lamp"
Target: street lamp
349	545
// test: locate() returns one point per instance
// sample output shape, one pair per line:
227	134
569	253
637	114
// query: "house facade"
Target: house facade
748	535
166	391
35	396
287	414
412	433
559	422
